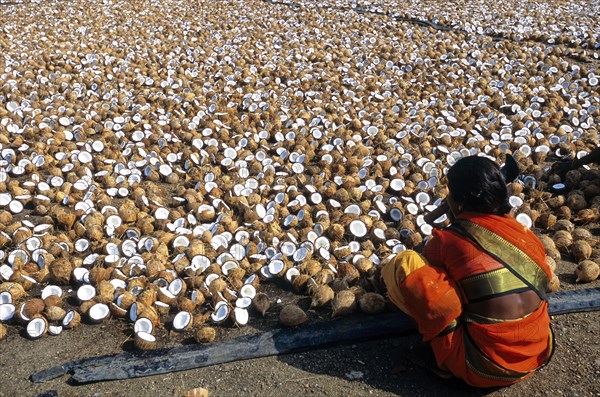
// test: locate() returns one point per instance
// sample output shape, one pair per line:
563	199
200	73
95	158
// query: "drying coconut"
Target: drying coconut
551	263
343	304
581	234
564	224
587	215
300	282
576	201
322	296
546	221
339	284
144	341
16	290
587	271
71	319
31	308
261	302
580	250
563	212
553	284
60	271
292	315
54	313
3	331
562	239
183	321
371	303
37	327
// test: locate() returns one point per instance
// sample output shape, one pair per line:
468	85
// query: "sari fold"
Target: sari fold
485	257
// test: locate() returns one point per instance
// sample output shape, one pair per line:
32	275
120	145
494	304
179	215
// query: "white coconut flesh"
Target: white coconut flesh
6	272
81	274
210	278
243	303
241	316
396	214
81	245
515	201
248	291
7	311
176	286
98	312
148	337
291	273
143	325
422	198
55	329
525	220
68	318
117	283
358	228
228	266
300	254
221	312
275	266
182	320
86	292
250	279
412	208
36	328
5	297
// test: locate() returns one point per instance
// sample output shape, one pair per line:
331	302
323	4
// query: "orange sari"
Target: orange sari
484	352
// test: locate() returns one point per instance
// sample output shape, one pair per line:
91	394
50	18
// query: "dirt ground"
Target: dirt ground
374	368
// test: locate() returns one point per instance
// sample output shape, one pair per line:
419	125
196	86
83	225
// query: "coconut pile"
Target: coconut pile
160	161
574	23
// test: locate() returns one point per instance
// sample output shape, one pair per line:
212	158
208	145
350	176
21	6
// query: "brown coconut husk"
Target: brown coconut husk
292	315
371	303
343	304
580	250
587	271
322	296
261	303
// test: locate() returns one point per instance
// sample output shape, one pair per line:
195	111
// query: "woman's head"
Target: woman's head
476	184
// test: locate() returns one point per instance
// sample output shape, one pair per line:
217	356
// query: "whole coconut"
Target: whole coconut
343	304
551	263
322	296
563	212
292	315
564	224
546	220
576	201
587	271
554	283
261	303
205	335
60	271
581	234
562	239
580	250
372	303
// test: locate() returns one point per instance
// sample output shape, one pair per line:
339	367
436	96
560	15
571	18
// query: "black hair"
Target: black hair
477	184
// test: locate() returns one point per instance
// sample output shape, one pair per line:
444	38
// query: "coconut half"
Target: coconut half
221	313
86	292
143	325
144	341
7	311
98	312
37	327
182	321
240	316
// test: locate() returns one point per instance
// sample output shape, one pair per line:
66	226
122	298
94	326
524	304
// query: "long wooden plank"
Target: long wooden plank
281	341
